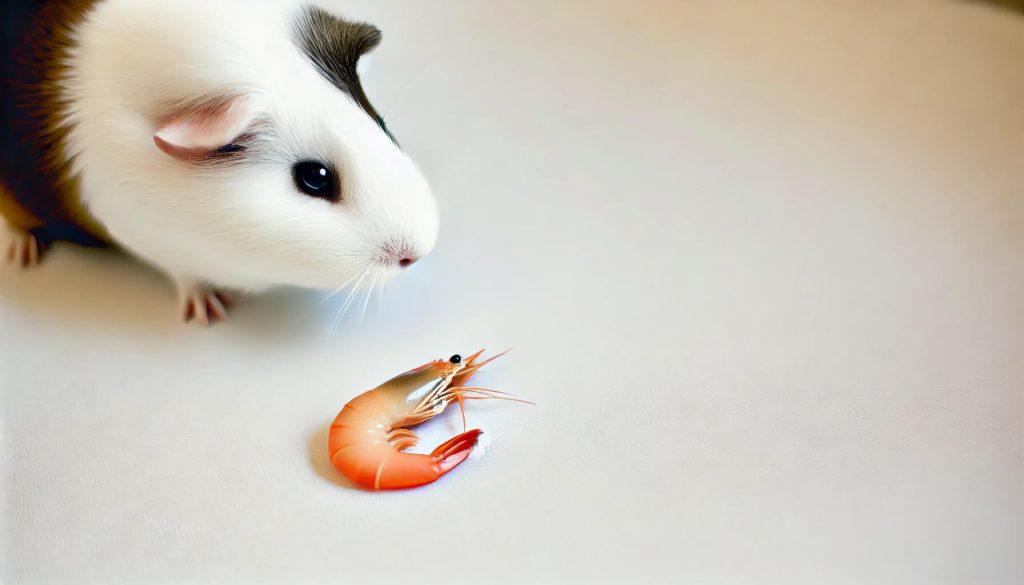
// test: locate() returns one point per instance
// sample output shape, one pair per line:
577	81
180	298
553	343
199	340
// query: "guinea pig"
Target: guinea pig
229	143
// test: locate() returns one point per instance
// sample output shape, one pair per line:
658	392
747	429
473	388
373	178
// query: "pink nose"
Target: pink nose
406	262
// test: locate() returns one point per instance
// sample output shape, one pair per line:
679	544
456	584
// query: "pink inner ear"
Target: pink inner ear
198	130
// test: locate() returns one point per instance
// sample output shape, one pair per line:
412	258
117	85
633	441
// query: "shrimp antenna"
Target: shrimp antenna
462	408
486	393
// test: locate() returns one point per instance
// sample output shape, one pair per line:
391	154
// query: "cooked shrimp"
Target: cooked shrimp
369	436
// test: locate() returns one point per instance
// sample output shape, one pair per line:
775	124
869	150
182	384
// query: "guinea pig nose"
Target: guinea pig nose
399	252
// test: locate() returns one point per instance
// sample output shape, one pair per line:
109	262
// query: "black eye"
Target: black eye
314	179
456	359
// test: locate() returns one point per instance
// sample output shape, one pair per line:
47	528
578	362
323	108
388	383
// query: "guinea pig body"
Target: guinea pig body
227	142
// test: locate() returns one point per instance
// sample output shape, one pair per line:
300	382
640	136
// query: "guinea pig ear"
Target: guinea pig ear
196	130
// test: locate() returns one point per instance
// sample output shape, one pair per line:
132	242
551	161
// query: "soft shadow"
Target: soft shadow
1016	6
93	287
107	289
281	315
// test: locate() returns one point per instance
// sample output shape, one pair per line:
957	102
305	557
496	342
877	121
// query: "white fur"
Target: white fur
243	227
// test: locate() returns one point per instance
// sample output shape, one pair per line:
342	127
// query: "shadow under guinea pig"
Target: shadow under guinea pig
1012	5
107	289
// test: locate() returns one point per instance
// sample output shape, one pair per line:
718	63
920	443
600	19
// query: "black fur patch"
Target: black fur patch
334	46
35	36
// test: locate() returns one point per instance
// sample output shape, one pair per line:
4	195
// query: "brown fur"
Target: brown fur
16	215
37	189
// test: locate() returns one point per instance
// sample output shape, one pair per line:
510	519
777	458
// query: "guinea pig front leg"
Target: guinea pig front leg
26	248
27	242
203	303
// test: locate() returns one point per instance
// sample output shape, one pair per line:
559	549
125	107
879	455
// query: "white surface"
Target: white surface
761	265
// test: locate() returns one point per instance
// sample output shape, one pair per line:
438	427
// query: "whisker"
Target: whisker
348	301
380	297
337	317
373	283
338	290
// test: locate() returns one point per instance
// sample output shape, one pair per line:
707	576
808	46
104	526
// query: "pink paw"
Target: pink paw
205	305
24	250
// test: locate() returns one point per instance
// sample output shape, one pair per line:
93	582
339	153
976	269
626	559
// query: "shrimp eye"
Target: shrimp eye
456	359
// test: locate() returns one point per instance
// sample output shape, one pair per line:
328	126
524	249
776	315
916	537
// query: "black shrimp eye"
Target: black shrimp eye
314	179
456	359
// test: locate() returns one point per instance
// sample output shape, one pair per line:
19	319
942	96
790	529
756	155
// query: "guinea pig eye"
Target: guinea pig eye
314	179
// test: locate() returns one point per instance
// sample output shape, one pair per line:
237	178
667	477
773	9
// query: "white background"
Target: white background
761	264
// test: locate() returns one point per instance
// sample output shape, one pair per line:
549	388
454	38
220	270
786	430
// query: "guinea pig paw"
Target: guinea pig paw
205	305
24	250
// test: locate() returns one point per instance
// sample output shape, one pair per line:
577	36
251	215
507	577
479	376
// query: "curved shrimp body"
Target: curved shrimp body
368	437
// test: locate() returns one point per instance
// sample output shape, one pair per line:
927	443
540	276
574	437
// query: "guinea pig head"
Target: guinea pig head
296	179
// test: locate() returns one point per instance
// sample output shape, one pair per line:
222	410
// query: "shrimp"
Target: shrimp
369	436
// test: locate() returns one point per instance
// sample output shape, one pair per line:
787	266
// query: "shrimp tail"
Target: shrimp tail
398	470
455	450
